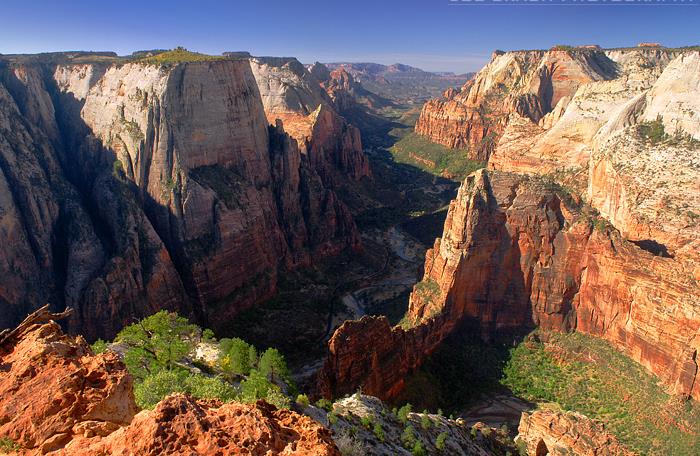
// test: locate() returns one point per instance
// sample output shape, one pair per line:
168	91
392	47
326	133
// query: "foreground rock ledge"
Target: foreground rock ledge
57	397
564	433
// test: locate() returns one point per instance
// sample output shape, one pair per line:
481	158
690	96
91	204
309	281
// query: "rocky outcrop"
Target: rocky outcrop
523	94
180	425
133	187
519	252
57	397
565	433
54	388
458	438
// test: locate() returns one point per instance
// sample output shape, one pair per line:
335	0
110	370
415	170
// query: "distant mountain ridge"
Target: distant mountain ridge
399	82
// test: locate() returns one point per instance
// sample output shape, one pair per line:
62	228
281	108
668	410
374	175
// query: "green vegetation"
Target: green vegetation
302	400
324	404
157	357
441	441
379	432
225	182
403	413
428	287
425	421
459	372
117	169
653	131
418	449
178	55
434	158
587	375
237	356
408	438
8	445
99	346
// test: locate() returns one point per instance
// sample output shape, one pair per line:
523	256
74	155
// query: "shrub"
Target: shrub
99	346
208	335
379	432
239	356
349	446
203	387
425	421
418	450
154	388
303	400
366	422
332	418
117	168
324	404
441	441
408	438
653	131
8	445
403	413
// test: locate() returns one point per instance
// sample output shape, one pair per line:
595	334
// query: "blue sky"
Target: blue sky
431	34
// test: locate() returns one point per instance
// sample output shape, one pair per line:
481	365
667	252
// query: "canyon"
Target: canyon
215	186
584	221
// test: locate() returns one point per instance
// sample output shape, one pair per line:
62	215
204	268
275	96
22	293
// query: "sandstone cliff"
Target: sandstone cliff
134	187
294	95
519	252
57	397
536	86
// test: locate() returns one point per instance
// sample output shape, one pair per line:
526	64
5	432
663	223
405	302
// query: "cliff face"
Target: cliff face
518	252
522	94
130	188
295	95
57	397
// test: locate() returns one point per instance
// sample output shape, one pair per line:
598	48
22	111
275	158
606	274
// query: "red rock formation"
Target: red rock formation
295	95
57	397
565	433
180	425
529	83
126	189
53	387
515	253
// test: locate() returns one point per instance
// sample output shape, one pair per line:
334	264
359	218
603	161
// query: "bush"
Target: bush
332	418
425	421
653	131
403	413
324	404
8	445
441	441
303	400
208	335
408	438
203	387
349	446
418	450
366	422
379	432
156	387
99	346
